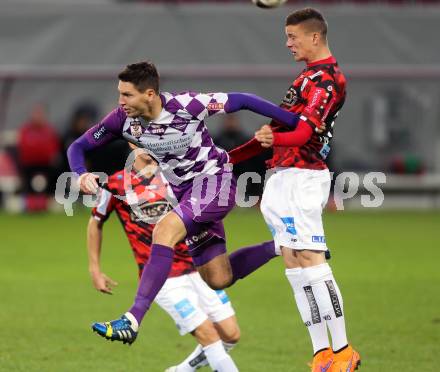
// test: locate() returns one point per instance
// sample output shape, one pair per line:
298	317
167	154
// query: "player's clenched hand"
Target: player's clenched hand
265	136
103	283
87	183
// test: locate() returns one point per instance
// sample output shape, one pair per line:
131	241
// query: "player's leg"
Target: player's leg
166	234
229	332
181	299
322	292
245	261
315	325
221	271
283	218
214	349
217	272
217	305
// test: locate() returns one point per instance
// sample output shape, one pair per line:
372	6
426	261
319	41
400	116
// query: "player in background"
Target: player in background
294	197
194	307
170	126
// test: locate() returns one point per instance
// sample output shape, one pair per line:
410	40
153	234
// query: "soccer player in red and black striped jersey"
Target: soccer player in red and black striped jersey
296	194
140	197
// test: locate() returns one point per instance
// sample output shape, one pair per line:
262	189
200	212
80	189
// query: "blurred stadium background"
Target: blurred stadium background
58	64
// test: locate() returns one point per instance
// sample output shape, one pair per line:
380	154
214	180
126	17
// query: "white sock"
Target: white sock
315	325
193	361
218	359
329	301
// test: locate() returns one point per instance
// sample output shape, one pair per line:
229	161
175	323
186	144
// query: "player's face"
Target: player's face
300	42
133	102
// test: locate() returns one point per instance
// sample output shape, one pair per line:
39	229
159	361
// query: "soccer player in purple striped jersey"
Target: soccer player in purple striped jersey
170	127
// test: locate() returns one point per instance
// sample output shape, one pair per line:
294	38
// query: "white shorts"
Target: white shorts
292	205
189	301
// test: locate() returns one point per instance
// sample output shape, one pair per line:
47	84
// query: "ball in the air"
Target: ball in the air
268	3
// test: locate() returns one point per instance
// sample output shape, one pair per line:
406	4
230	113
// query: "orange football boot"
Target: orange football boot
322	361
347	360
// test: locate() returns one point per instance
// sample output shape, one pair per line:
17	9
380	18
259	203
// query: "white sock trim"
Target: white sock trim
132	319
229	346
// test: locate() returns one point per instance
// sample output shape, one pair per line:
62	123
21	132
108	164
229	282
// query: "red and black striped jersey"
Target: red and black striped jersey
318	93
139	202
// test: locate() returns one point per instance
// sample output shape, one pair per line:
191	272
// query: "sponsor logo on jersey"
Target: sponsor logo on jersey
156	129
318	239
99	133
150	212
184	308
215	106
317	95
136	128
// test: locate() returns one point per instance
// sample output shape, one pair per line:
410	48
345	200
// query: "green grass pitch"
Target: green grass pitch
387	266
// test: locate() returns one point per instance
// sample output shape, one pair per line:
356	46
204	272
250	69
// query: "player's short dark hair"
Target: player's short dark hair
143	75
311	18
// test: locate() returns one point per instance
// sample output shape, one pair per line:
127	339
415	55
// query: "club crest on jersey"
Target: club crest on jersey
291	97
136	128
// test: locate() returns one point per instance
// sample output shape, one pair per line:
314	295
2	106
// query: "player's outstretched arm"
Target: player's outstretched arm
100	281
254	103
296	138
106	131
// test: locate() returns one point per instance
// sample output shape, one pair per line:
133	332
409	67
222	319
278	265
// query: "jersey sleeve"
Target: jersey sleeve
106	131
207	104
320	97
105	205
108	128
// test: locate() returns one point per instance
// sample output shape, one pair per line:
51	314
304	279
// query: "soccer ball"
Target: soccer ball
268	3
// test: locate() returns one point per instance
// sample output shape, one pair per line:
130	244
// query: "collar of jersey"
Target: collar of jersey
324	61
